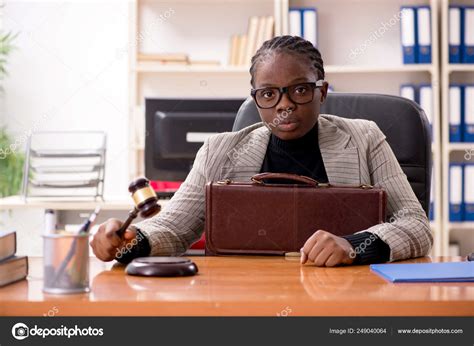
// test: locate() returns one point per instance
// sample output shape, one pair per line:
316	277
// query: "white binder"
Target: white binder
408	34
408	91
454	39
455	113
294	19
310	26
426	101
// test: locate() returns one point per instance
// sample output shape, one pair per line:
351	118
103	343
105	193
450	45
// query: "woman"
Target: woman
288	87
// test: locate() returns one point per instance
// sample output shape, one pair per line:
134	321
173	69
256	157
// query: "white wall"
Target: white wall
67	73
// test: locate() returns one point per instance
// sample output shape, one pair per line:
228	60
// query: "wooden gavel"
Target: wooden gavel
145	199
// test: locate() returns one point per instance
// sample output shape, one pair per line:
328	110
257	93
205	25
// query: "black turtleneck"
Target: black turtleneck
297	156
302	156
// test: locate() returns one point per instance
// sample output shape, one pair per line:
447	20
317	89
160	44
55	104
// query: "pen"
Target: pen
87	225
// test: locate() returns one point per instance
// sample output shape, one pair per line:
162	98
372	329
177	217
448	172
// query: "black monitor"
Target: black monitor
176	129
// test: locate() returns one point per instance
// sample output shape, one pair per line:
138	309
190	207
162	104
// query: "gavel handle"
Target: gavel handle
131	216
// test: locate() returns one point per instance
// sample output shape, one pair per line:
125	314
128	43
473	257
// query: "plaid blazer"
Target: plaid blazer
354	151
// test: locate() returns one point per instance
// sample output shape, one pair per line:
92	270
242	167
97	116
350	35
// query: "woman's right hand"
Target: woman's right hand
107	244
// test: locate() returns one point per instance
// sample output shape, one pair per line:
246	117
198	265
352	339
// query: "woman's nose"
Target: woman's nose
285	103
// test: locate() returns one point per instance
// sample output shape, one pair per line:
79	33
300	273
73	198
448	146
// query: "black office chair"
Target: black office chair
402	121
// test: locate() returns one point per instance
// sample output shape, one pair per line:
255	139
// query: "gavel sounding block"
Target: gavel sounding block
161	266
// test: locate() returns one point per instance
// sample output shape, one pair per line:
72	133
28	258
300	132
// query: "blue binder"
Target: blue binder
424	34
455	33
409	91
426	103
295	22
468	192
408	34
309	28
426	272
456	112
456	192
468	118
432	211
467	55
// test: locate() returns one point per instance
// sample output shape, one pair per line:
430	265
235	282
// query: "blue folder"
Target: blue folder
456	112
467	54
426	272
425	100
309	30
295	21
455	33
410	91
408	34
431	215
468	114
432	205
455	191
423	20
468	195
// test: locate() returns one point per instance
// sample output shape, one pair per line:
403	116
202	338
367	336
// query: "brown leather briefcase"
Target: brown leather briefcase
258	218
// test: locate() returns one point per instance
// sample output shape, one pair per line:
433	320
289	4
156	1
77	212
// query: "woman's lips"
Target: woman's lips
288	126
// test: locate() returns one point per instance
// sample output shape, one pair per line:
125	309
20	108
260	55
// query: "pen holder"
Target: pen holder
66	263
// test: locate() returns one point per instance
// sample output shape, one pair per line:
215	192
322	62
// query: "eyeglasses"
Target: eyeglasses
300	93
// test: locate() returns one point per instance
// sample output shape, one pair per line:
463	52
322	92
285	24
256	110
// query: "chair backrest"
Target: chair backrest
402	121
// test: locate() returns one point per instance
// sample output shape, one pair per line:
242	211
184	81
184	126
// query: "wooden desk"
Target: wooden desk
242	286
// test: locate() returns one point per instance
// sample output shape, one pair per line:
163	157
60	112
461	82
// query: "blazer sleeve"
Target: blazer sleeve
406	230
181	222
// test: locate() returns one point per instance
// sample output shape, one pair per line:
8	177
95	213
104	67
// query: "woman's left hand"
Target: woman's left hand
326	249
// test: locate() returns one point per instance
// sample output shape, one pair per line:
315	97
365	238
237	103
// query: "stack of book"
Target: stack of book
243	47
12	268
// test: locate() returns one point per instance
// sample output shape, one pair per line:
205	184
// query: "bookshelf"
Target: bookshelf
343	25
459	67
459	232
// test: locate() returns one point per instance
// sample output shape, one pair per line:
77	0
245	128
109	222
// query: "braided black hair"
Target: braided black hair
292	45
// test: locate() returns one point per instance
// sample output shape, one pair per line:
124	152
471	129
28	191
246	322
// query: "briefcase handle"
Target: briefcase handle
258	178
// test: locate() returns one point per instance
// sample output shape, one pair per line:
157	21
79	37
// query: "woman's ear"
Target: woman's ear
324	92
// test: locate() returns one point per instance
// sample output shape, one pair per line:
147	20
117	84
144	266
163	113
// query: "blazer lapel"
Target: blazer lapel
341	162
247	156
